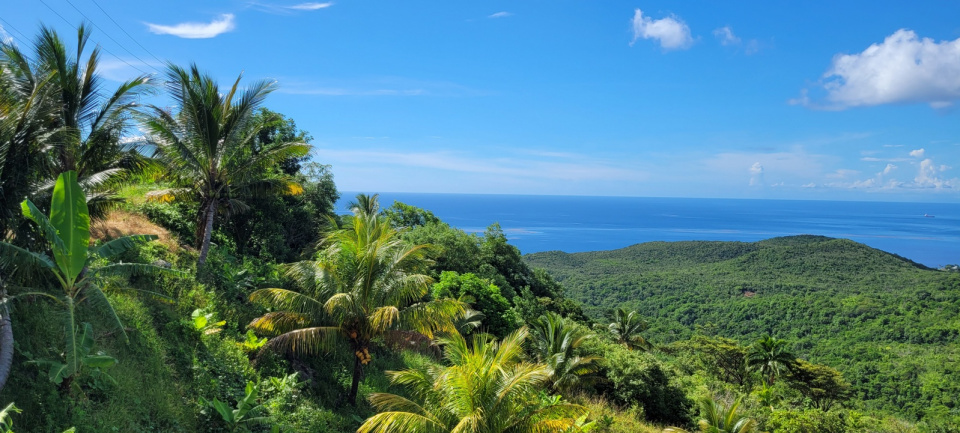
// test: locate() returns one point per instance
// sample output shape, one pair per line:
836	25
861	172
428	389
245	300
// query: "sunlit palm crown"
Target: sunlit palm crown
364	282
554	343
488	388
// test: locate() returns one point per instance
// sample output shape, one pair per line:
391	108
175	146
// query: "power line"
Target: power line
7	24
107	34
125	31
104	48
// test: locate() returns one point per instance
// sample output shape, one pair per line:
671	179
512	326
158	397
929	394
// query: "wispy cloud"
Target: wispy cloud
121	70
728	39
281	9
917	153
190	30
502	14
902	69
671	32
310	6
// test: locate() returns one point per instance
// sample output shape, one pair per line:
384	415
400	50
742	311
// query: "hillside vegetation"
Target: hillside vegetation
890	325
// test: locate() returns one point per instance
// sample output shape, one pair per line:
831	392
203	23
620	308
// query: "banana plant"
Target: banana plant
77	267
81	357
238	418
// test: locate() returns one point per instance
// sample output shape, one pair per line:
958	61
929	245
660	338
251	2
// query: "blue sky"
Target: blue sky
771	99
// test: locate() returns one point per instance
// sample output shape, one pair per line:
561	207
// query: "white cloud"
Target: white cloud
502	14
726	36
310	6
221	25
904	68
756	174
889	169
671	32
842	173
917	153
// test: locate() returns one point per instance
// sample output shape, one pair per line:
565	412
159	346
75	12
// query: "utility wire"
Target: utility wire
125	32
107	34
108	51
7	24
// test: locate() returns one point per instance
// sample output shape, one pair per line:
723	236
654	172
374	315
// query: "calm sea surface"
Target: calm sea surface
577	223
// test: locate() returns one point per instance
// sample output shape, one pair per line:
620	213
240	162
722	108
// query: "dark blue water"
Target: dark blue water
578	223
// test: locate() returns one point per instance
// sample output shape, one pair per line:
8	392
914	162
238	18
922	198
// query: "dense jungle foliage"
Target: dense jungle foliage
891	326
182	268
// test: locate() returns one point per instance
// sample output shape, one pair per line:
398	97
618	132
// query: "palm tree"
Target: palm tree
75	262
25	110
626	328
207	147
89	124
487	388
554	342
770	357
718	418
364	283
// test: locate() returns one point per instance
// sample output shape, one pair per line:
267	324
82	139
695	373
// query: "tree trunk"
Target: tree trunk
6	345
207	231
357	375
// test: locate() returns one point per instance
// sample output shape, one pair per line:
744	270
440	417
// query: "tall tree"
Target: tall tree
626	328
488	388
771	358
207	145
88	128
555	341
365	282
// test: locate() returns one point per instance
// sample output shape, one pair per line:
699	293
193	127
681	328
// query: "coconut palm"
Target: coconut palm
207	146
75	265
25	112
554	343
771	358
364	283
89	124
626	328
487	388
718	418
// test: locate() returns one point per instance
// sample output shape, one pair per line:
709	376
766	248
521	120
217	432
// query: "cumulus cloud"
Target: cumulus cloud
726	36
224	23
917	153
502	14
756	174
671	32
889	169
902	69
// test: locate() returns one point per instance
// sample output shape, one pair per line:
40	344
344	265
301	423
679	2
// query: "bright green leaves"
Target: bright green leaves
71	218
68	229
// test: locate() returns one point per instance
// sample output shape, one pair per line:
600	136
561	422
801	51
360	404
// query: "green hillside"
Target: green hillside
890	325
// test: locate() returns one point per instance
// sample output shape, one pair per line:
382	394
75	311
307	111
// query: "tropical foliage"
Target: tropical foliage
207	146
364	283
487	388
555	343
626	328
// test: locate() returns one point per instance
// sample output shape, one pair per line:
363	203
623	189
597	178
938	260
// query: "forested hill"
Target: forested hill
890	325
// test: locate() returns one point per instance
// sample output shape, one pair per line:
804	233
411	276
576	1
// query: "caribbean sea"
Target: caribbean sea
928	233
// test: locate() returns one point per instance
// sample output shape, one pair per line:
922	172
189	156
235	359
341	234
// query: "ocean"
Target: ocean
928	233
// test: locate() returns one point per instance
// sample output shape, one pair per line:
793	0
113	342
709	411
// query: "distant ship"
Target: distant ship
929	216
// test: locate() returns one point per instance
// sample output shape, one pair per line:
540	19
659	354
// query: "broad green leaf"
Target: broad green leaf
121	245
99	361
70	216
199	322
86	341
225	411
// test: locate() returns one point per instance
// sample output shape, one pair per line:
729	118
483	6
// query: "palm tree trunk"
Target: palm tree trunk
357	375
6	345
207	231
